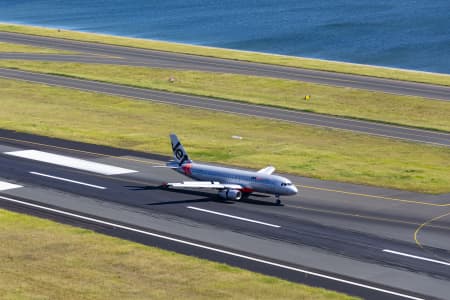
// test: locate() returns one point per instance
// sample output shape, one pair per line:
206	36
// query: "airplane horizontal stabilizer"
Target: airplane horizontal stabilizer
169	167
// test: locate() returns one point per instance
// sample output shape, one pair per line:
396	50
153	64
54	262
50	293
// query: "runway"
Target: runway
366	241
392	244
325	121
135	56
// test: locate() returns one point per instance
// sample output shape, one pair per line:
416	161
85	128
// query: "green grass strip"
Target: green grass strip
45	260
307	63
304	150
18	48
354	103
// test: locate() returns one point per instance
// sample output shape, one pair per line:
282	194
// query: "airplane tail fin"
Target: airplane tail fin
179	154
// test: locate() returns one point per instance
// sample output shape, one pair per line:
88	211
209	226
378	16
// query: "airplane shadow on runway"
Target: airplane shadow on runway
144	188
205	197
264	202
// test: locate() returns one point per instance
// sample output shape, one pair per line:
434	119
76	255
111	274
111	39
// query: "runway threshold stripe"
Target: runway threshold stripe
233	217
8	186
267	262
417	257
70	162
68	180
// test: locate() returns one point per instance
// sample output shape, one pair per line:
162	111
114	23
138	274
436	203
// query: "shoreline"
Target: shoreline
323	60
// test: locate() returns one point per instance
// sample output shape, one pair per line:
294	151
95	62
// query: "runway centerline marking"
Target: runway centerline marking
233	217
213	249
416	257
69	180
8	186
71	162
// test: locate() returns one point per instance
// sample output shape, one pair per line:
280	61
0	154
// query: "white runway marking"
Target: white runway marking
233	217
68	180
8	186
70	162
218	250
417	257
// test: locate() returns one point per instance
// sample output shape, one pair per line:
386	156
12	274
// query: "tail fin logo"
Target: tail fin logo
179	153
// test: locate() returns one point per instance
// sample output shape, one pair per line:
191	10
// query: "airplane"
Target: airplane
232	184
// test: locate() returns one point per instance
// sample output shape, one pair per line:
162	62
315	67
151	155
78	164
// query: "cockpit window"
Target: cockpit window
286	183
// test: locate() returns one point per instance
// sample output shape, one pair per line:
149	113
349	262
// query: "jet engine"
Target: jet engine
230	194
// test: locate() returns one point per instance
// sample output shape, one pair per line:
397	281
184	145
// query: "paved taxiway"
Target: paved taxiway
393	240
193	62
378	129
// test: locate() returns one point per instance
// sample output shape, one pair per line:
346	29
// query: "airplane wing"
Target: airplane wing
205	185
267	170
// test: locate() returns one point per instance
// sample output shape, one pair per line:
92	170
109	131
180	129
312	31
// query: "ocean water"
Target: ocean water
403	33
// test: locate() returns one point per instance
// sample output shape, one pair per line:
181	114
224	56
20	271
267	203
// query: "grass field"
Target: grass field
306	63
18	48
309	151
354	103
44	260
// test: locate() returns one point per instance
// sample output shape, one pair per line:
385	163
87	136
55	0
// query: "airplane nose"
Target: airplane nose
294	189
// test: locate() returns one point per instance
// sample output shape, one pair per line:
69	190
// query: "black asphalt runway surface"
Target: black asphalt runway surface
393	241
163	59
326	121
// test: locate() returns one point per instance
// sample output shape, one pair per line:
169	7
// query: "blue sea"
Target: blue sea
403	33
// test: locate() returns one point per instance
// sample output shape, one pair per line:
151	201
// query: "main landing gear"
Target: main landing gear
278	201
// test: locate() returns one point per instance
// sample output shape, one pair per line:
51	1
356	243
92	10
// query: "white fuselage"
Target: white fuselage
250	181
